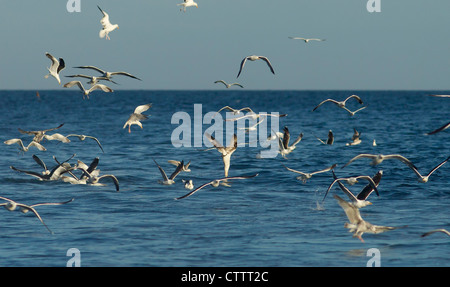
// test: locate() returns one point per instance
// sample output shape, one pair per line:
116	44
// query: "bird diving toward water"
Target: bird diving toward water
107	26
225	151
11	205
358	226
215	183
137	116
254	58
55	68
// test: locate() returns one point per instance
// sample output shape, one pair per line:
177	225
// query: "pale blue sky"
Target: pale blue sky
406	46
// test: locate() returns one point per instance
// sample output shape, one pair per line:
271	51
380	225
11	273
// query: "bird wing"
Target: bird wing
350	210
55	63
362	155
142	108
61	65
296	171
286	137
194	191
163	173
446	126
297	140
438	166
265	59
220	81
98	142
37	145
368	189
344	189
73	83
125	74
92	68
242	66
177	170
39	162
102	87
35	213
32	173
327	100
114	179
57	136
52	203
325	170
356	97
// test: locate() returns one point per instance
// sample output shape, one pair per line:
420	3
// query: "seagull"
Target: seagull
106	74
283	143
44	166
444	127
228	85
215	183
185	167
39	135
83	137
357	225
187	3
12	205
55	68
360	200
352	181
340	104
424	178
94	179
377	159
254	58
355	138
169	180
225	151
25	148
330	139
92	80
306	39
436	230
188	184
85	92
58	137
136	117
54	174
305	176
107	26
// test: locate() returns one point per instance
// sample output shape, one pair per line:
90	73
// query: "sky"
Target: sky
404	47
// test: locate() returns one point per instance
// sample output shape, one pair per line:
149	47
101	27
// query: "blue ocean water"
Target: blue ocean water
270	220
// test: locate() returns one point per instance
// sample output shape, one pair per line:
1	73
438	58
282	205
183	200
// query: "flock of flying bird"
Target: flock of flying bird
89	174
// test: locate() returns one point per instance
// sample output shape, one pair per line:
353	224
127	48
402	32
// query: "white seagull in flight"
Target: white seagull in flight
55	68
214	183
187	3
12	205
340	104
107	26
85	92
254	58
306	39
228	85
305	176
107	74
